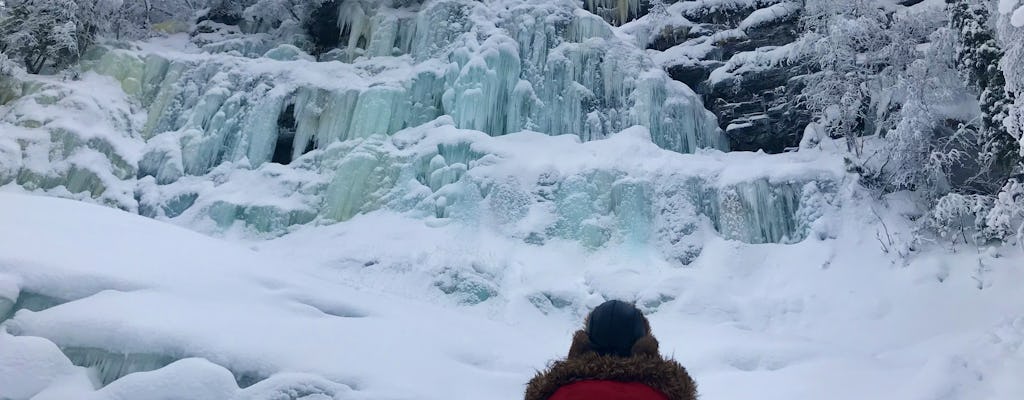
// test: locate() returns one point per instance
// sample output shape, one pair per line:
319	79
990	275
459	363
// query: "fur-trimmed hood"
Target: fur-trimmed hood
645	366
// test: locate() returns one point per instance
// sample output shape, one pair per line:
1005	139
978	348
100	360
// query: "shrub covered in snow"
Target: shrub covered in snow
941	103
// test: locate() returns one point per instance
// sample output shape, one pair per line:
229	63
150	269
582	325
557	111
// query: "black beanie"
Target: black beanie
613	328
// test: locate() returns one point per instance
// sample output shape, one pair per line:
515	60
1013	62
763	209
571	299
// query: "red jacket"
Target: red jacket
587	375
607	390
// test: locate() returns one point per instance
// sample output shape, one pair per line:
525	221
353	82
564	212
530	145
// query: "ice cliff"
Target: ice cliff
540	119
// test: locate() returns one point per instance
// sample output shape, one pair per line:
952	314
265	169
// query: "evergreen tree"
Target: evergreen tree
44	32
979	54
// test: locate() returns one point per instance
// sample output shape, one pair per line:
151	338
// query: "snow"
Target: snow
770	14
481	174
329	310
747	61
1015	9
209	293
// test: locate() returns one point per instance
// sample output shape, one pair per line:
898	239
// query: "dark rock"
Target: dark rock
724	15
669	37
693	75
227	12
758	109
776	33
323	28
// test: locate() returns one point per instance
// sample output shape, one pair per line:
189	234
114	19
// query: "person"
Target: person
615	357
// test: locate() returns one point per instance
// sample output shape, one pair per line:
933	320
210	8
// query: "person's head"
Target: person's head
614	327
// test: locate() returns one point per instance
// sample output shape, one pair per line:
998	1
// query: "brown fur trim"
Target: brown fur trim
666	376
580	344
644	366
646	346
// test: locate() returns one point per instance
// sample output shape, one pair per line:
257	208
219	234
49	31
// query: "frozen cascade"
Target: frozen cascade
561	75
418	121
756	212
616	12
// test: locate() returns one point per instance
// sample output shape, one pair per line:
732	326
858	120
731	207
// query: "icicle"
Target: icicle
111	366
379	110
757	212
616	12
348	192
383	35
438	25
336	117
585	26
355	24
309	104
631	204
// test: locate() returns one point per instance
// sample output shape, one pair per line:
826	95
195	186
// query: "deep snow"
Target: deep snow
423	258
350	311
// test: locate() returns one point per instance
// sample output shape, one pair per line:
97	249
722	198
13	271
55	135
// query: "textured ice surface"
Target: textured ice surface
72	139
211	170
218	140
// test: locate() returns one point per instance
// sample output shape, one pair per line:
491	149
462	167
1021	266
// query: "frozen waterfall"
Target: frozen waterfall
540	120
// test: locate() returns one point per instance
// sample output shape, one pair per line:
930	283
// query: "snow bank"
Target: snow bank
1015	9
253	315
328	311
77	139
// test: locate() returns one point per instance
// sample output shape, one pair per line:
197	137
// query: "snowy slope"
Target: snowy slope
310	315
429	214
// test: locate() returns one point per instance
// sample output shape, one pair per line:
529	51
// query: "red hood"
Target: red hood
607	390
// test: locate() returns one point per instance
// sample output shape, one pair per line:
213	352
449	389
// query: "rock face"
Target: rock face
738	56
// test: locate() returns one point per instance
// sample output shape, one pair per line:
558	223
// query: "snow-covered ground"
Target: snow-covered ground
352	311
431	215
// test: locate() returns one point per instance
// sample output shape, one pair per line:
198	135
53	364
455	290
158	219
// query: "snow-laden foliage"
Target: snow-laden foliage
859	51
1011	38
921	106
978	55
44	32
920	153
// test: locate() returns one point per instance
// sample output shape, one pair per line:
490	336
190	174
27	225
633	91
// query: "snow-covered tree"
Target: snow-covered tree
173	10
44	32
1008	212
979	54
858	50
1006	218
923	151
1011	37
125	19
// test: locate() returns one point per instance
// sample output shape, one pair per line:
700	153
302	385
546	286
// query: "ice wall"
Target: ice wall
447	112
546	67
